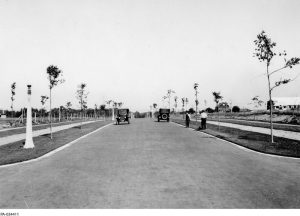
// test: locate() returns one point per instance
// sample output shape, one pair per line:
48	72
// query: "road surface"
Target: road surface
152	165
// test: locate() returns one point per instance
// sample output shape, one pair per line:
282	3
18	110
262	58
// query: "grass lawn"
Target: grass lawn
35	127
287	127
14	152
252	140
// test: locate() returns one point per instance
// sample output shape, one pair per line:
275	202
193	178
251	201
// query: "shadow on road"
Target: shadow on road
122	124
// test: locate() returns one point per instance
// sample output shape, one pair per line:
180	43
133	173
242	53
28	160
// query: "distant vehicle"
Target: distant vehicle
123	115
163	114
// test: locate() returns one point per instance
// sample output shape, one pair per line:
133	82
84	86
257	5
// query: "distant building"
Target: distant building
285	103
224	107
2	114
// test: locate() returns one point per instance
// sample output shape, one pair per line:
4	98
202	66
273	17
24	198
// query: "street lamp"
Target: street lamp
29	141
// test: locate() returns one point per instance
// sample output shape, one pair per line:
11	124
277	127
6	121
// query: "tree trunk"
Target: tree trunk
218	116
59	114
50	116
271	106
196	106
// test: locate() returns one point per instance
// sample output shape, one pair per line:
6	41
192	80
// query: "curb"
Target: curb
55	150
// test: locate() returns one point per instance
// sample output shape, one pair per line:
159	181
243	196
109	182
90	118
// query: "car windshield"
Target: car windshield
123	111
164	110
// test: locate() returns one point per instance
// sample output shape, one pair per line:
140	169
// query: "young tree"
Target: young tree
120	104
112	110
217	98
196	85
102	109
95	111
109	102
68	106
44	98
182	102
115	105
81	95
13	93
175	102
54	75
169	93
186	102
164	101
264	51
256	102
154	105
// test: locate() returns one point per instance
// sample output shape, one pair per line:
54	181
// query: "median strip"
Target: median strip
21	136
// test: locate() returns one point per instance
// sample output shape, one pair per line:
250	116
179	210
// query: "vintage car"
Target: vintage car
163	114
122	115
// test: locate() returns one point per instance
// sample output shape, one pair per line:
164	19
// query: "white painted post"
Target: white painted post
35	117
29	141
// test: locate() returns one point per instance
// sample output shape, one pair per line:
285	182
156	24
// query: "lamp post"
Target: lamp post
29	141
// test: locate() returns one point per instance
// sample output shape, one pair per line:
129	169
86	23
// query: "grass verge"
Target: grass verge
286	127
252	140
16	130
14	152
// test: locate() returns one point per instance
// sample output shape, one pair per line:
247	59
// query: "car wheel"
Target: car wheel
164	116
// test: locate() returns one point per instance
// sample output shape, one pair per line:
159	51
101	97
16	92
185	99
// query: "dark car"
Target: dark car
163	114
123	115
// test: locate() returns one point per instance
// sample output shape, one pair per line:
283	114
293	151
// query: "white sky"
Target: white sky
134	50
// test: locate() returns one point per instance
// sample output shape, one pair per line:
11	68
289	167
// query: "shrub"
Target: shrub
209	110
235	109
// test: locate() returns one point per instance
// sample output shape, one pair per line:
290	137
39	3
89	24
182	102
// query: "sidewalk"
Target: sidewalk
279	133
22	136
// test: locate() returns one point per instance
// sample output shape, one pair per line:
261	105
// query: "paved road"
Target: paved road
152	165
